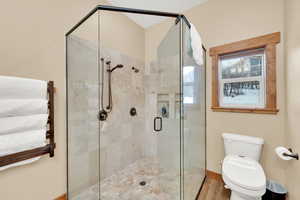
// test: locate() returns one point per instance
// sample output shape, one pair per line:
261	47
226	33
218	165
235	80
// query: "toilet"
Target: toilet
241	171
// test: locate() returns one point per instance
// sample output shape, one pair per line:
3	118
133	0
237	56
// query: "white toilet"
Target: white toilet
241	170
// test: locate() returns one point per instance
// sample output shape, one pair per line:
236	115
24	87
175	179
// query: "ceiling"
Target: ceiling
176	6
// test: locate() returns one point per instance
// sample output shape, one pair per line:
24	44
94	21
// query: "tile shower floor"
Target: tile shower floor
125	185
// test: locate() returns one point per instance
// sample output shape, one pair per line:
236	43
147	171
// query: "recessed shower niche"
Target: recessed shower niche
163	105
168	105
109	158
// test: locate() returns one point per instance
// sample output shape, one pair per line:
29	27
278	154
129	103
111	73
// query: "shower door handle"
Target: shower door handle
157	124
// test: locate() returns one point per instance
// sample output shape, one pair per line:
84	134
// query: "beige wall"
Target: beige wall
153	37
33	45
221	22
293	94
128	37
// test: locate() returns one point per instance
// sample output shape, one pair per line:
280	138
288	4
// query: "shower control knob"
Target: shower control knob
133	112
102	116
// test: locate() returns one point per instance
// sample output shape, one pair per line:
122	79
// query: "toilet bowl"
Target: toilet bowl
241	170
244	177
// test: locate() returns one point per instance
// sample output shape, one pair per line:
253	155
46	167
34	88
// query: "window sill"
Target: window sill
246	110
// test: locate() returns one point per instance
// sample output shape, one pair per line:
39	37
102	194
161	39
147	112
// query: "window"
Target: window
189	88
244	75
242	79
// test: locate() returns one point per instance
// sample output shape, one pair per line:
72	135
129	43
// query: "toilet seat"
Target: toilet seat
244	175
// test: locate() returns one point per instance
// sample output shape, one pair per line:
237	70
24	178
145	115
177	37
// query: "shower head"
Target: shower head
118	66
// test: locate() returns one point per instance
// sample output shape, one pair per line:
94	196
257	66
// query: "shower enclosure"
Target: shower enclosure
136	118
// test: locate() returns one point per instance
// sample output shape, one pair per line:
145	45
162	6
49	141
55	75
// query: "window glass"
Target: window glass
188	94
242	79
189	84
188	74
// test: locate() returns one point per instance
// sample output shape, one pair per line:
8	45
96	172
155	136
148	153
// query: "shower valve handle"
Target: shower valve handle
102	116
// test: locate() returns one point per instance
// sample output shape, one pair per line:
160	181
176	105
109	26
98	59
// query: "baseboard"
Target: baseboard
62	197
214	175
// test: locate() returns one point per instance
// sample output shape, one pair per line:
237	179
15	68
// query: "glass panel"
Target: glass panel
243	64
245	93
168	140
83	106
194	130
242	79
136	162
123	166
188	74
188	94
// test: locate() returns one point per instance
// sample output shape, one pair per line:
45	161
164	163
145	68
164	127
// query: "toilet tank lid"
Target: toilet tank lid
243	138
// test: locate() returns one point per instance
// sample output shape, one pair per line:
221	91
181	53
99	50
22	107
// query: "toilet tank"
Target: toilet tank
243	145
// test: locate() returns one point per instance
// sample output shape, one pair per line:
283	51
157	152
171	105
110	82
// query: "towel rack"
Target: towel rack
49	148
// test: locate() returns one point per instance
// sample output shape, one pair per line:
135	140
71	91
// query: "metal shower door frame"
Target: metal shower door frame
128	10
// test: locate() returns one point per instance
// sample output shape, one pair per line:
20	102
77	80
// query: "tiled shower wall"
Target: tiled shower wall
121	141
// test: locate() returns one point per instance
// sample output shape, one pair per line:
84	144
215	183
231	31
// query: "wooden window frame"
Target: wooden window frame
268	42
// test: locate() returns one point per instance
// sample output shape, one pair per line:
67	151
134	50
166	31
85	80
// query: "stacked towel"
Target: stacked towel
23	116
22	141
21	107
17	124
22	88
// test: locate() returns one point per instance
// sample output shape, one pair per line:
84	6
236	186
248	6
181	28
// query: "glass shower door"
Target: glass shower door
168	113
194	120
83	107
140	154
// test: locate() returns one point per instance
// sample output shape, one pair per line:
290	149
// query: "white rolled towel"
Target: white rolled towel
21	107
9	125
22	141
17	142
22	88
196	43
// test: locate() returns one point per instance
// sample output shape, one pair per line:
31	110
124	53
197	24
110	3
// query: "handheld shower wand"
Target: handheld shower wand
109	107
104	111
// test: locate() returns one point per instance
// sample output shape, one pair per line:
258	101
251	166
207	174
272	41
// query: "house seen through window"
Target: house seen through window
242	79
